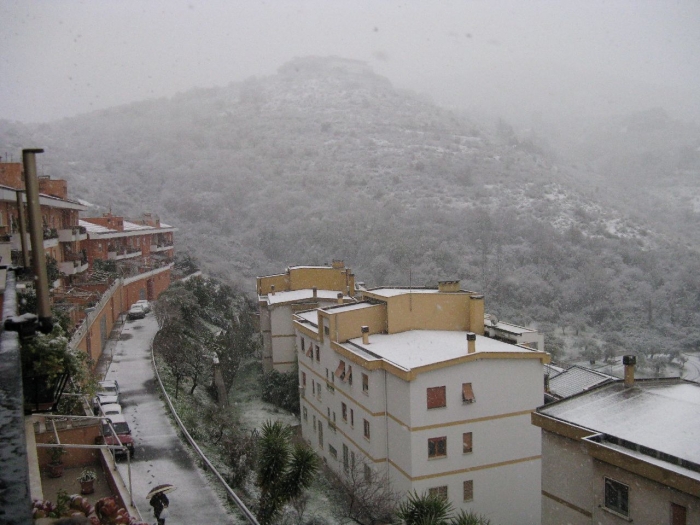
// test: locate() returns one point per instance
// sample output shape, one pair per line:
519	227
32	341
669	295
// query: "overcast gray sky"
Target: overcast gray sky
517	59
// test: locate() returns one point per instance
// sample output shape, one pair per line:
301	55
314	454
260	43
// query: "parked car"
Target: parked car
111	409
144	304
122	433
107	393
136	312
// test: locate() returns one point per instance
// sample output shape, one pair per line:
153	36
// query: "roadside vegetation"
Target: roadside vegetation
249	431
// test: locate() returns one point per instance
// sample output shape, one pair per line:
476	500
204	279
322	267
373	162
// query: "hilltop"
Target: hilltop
326	159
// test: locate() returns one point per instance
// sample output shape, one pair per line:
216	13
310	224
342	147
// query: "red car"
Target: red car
123	432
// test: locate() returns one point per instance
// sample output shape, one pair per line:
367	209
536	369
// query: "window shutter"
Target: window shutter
467	442
437	397
467	393
340	371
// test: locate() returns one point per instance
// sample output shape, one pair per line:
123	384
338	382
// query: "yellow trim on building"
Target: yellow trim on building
465	421
567	504
480	467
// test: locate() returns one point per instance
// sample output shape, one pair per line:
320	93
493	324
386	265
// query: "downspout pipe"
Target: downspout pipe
31	183
22	229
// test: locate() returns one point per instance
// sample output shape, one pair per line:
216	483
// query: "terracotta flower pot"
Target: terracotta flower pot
55	470
87	487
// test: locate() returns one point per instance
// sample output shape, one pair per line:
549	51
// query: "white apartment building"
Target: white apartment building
407	384
622	452
298	288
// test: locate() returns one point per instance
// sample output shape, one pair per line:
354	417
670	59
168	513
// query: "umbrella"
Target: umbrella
161	489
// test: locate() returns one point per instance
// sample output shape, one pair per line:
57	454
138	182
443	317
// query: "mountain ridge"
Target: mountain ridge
327	160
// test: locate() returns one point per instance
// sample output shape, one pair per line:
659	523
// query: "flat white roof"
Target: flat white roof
416	348
659	414
348	307
393	292
512	328
300	295
311	316
91	227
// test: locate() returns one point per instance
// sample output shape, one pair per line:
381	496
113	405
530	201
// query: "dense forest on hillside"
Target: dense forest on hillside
328	160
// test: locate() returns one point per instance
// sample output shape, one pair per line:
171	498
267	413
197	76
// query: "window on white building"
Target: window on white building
437	397
366	428
466	442
468	490
437	447
467	393
440	492
617	497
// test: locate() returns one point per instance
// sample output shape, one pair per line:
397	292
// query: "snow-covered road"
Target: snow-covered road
160	455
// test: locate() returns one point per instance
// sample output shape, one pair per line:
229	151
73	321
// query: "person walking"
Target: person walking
160	503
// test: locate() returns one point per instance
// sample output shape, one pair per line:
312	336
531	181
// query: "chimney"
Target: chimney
272	289
340	297
629	361
365	335
476	314
315	290
471	342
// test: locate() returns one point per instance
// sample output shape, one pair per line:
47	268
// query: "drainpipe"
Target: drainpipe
22	229
35	234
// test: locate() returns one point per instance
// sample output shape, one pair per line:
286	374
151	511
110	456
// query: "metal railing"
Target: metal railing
229	491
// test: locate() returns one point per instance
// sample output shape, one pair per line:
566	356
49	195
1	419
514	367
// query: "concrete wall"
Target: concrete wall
92	336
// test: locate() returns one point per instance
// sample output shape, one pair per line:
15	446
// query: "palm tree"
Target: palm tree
425	509
432	509
284	471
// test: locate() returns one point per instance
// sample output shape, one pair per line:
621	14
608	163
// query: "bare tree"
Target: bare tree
366	497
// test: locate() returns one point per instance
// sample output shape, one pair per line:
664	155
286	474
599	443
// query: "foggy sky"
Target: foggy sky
523	60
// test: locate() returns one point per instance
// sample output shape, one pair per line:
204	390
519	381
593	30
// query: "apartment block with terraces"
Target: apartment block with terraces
407	384
62	234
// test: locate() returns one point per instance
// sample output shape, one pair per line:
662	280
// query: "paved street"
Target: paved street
692	367
160	455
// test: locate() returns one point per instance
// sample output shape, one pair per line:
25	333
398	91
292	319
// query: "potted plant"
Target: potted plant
87	481
56	463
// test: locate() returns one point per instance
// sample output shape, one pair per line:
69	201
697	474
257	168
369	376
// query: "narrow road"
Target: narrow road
692	367
160	455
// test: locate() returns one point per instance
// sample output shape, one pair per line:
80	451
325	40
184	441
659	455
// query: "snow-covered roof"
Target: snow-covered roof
658	414
310	267
310	316
130	229
510	328
91	227
416	348
575	380
131	226
348	307
301	295
393	292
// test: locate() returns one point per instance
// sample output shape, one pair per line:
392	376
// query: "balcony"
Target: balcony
73	234
50	239
123	253
73	264
161	247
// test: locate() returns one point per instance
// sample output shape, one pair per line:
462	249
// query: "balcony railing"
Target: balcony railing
72	234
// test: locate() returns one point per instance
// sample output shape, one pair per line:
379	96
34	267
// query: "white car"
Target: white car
107	393
144	304
111	409
136	312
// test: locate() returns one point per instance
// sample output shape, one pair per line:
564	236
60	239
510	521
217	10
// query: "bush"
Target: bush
282	390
